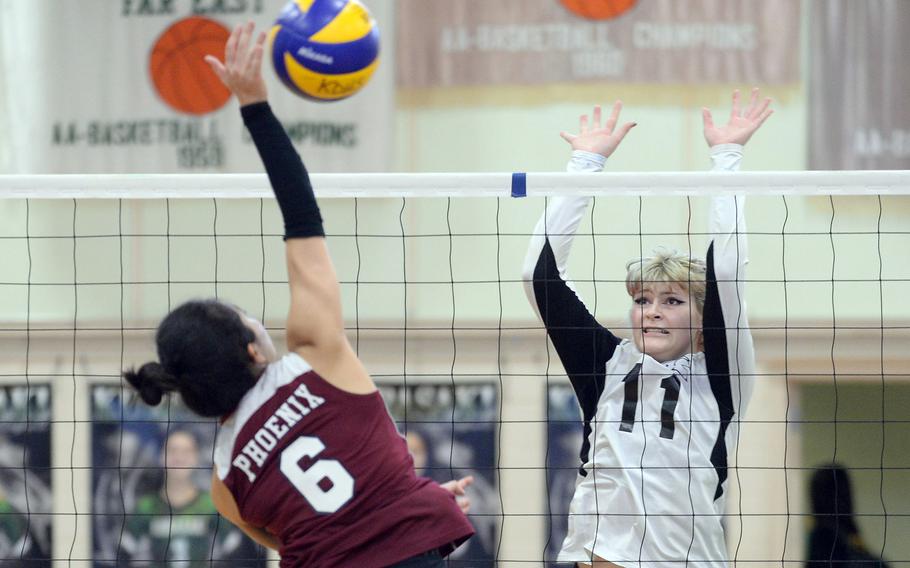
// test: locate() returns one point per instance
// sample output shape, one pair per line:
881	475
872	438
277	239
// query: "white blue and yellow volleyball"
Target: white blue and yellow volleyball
324	50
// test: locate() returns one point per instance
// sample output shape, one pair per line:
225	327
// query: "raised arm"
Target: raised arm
728	342
582	343
315	327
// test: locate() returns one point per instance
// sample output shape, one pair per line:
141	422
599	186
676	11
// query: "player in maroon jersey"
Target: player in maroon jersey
307	460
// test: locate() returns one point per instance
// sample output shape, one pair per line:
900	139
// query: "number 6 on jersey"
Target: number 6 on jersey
306	481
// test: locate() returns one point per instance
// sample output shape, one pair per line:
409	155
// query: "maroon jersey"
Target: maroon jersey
327	472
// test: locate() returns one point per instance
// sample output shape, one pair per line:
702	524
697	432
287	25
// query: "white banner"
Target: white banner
119	86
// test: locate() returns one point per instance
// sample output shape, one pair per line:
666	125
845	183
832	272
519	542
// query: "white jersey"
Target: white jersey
652	479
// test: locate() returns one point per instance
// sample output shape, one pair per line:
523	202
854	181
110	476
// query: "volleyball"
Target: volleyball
324	50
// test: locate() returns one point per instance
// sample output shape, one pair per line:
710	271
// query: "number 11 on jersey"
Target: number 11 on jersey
667	408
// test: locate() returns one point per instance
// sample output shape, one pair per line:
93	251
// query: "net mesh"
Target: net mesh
435	306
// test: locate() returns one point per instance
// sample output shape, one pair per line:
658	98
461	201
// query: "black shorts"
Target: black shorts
429	559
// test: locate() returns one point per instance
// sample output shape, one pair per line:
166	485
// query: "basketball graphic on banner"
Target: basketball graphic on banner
598	9
324	50
179	73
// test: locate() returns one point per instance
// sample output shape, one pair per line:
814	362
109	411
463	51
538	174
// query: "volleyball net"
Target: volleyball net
430	272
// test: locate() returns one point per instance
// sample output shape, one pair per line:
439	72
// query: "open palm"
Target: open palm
241	71
592	137
742	124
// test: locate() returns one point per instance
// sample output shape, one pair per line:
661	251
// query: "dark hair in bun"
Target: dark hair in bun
202	349
151	382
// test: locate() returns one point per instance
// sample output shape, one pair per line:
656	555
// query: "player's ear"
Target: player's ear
255	355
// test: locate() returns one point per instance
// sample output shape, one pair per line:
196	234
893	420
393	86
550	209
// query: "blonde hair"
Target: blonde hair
672	267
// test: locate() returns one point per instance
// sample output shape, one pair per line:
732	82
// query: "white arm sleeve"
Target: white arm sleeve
727	227
558	224
584	346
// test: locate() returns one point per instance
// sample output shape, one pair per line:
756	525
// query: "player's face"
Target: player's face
665	321
263	340
181	455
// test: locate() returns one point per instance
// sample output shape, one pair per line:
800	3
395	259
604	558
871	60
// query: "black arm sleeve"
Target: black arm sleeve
584	346
286	172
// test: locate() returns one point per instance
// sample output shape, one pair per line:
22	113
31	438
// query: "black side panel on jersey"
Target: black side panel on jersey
584	346
718	364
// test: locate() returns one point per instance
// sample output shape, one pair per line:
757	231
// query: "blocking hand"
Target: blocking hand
742	124
593	138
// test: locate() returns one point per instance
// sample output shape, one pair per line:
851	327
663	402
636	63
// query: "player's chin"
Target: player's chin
660	349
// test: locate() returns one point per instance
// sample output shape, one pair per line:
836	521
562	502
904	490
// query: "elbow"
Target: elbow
527	275
531	282
527	269
532	259
531	276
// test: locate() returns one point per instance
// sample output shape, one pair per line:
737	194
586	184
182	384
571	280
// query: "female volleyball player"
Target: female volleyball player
660	411
307	459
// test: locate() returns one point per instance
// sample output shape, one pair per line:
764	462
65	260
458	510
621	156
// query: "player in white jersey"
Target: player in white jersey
660	411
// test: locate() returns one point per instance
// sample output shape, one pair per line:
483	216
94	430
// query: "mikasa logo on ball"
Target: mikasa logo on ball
314	55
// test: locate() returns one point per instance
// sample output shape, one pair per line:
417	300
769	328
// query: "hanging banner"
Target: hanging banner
26	503
151	472
451	433
859	118
102	86
443	43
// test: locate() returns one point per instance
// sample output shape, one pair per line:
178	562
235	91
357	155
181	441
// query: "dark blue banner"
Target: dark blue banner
564	432
451	432
26	508
151	471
